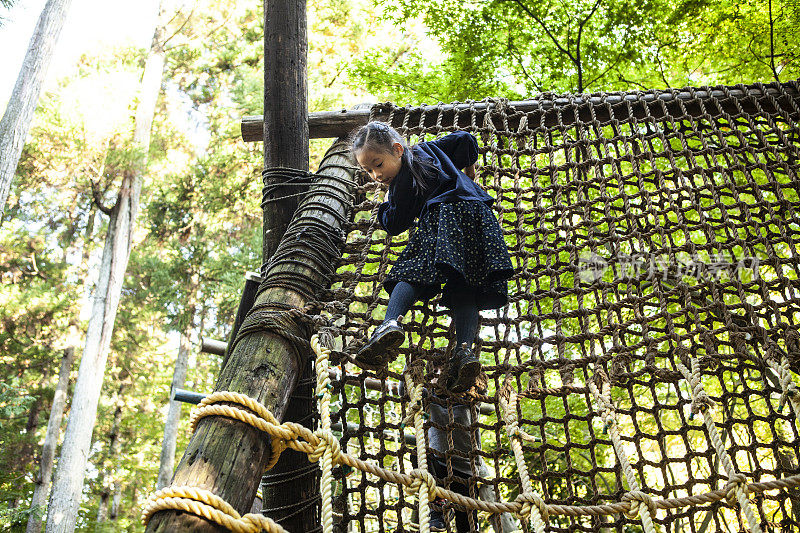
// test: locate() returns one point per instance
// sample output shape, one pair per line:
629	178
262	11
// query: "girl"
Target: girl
457	247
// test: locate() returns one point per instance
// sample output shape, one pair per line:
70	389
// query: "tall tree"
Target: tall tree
16	121
68	486
167	463
42	483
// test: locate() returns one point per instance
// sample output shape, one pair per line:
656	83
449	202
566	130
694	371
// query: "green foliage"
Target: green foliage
518	48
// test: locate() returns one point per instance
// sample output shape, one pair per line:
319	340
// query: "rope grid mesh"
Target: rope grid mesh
640	227
653	239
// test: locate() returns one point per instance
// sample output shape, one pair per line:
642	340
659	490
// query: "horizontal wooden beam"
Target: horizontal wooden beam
555	111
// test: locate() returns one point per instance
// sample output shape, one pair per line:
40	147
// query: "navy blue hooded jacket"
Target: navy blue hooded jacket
445	181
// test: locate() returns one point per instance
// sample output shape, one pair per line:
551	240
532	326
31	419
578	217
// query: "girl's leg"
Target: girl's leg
383	346
403	297
465	315
464	365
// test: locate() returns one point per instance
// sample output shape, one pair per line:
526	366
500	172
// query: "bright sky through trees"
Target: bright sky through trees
91	25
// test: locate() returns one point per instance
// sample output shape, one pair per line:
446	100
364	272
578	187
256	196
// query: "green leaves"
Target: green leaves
517	48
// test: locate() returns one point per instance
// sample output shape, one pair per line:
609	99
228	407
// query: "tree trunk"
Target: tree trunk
285	108
178	379
65	499
42	483
291	488
107	479
27	451
286	496
16	121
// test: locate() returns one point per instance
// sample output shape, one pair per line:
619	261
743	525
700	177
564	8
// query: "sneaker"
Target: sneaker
382	346
464	369
436	521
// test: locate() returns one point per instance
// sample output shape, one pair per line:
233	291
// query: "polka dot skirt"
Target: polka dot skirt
459	245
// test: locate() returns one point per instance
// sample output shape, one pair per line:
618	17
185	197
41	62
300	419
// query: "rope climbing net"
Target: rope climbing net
642	375
646	355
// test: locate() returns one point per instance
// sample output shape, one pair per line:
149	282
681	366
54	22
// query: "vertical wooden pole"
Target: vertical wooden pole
293	482
285	107
224	454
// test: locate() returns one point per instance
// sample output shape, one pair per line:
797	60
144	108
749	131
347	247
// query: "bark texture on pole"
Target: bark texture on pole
16	121
170	441
285	107
286	145
225	456
65	499
42	484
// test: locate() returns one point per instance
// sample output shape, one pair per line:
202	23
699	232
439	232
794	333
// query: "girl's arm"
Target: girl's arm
402	206
462	149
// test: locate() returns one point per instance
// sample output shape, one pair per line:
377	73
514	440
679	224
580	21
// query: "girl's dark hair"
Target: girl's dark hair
380	137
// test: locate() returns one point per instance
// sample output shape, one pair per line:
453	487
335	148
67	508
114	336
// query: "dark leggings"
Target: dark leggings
462	517
464	309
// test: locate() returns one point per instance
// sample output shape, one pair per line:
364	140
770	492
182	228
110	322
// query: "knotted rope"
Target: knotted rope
328	449
423	483
532	505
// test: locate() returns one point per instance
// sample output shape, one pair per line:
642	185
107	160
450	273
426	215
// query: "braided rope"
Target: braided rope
788	386
531	503
736	488
328	442
423	483
640	503
206	504
290	435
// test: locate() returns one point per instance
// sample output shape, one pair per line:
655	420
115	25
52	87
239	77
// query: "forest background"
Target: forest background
199	223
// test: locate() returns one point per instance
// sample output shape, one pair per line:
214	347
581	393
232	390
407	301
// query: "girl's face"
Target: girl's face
381	166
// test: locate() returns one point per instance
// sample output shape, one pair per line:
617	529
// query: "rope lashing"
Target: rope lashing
206	504
304	440
276	178
422	479
529	501
637	499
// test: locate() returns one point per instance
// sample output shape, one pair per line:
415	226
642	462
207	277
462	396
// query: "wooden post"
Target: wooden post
225	456
286	145
285	107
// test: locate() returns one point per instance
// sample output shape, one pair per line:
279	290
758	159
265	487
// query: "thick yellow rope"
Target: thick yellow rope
208	505
533	505
328	442
423	484
322	444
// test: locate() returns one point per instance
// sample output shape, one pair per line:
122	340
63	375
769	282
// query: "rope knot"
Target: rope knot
528	501
735	483
638	500
327	440
420	478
